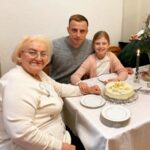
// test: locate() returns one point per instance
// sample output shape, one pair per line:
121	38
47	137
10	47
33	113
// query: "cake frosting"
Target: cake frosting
119	90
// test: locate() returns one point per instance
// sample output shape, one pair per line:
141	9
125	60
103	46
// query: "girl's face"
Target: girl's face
101	46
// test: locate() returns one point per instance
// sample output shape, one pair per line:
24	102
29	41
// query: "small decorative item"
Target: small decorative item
137	66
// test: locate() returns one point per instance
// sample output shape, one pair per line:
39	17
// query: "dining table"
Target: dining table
86	123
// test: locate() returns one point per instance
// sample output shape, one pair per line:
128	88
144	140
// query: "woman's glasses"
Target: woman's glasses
34	53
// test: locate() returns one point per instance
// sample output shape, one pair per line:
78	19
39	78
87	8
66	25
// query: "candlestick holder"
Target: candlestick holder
137	78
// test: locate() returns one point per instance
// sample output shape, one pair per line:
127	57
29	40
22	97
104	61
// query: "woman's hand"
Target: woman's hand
66	146
133	37
94	90
89	89
84	87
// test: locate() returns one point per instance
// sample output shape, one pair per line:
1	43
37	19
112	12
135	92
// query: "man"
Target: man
70	51
68	54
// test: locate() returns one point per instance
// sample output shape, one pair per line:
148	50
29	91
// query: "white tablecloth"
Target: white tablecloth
86	124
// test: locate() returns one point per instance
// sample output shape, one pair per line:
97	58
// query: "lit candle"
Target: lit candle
137	61
138	52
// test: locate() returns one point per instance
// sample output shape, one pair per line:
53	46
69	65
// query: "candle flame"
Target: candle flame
138	52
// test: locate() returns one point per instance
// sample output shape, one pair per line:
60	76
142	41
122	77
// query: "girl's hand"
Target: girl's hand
130	70
112	80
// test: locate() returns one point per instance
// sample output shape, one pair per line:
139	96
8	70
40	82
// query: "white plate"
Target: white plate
116	113
115	116
92	101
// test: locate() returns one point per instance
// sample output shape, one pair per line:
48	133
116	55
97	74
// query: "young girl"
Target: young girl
101	62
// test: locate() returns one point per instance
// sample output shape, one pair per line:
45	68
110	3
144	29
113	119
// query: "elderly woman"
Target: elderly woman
30	101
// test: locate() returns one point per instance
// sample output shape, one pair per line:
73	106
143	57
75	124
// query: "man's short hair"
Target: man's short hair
79	18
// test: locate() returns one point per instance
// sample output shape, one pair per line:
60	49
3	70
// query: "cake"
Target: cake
119	90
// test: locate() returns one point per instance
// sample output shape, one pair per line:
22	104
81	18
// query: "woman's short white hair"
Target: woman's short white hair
27	40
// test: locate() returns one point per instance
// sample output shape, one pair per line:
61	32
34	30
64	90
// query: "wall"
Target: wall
129	24
50	18
145	11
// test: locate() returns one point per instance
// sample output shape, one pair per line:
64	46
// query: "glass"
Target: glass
34	53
